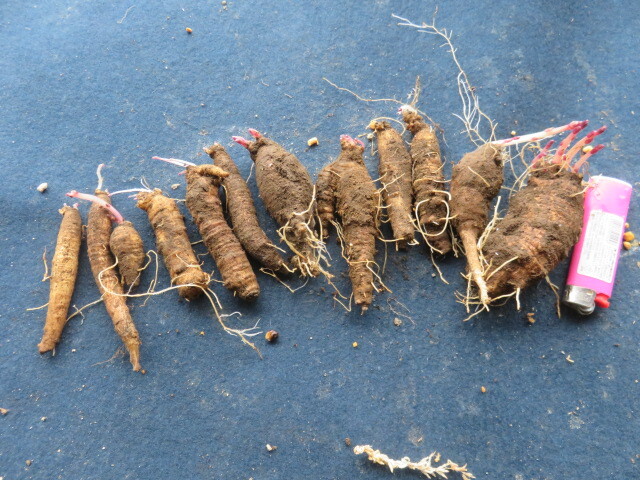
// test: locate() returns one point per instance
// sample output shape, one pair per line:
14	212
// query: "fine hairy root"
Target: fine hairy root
203	201
429	187
345	187
288	194
173	243
64	270
543	222
395	175
476	180
425	466
242	213
472	117
101	260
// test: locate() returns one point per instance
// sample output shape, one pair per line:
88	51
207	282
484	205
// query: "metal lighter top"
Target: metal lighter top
595	257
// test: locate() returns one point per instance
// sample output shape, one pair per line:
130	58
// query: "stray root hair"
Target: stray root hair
472	115
243	334
426	466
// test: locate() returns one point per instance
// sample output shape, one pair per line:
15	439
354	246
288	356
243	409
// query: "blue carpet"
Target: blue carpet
85	82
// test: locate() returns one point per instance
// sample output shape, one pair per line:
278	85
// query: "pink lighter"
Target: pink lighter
595	256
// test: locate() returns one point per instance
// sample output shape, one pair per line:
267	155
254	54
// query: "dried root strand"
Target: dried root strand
426	466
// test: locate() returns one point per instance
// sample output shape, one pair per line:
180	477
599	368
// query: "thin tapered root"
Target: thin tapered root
470	244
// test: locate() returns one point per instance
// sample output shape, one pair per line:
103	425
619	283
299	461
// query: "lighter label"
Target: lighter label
601	246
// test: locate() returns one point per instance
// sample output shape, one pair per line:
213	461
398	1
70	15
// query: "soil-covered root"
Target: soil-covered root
126	244
102	267
173	243
429	185
288	194
543	222
125	241
475	182
395	174
243	216
203	202
64	270
345	187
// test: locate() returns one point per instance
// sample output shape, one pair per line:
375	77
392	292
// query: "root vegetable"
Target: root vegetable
475	181
173	243
543	222
102	263
203	201
242	213
395	175
64	270
287	192
429	187
345	187
125	242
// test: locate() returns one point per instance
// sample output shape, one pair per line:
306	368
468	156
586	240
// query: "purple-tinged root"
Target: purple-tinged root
115	214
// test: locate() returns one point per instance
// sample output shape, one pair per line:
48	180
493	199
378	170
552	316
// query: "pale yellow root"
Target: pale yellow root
470	244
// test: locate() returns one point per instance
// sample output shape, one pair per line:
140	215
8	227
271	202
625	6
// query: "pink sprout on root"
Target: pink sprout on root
254	133
543	153
241	141
559	156
586	156
175	161
586	140
537	136
115	214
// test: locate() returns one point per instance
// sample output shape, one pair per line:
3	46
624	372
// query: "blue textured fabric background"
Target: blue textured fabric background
84	82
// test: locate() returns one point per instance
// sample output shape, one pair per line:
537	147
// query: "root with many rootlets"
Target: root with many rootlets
346	189
543	222
289	196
